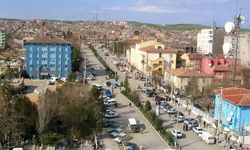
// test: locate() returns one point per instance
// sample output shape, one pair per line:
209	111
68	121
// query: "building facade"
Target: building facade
210	41
243	48
232	107
48	57
151	57
180	78
2	40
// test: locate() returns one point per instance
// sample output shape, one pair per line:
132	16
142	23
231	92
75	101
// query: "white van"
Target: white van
133	125
207	137
110	102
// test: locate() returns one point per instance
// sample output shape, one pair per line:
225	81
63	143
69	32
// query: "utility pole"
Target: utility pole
220	111
85	69
176	127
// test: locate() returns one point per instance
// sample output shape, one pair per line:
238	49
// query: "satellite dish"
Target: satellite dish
226	47
229	27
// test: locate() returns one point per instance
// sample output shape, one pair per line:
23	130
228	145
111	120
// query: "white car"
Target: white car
117	134
198	130
176	133
180	118
171	111
118	139
110	114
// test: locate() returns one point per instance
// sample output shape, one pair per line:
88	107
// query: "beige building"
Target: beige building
151	57
181	77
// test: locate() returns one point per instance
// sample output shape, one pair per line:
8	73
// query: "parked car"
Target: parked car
107	94
187	120
180	118
167	107
198	130
110	102
207	137
110	114
118	140
117	134
171	111
192	124
176	133
129	146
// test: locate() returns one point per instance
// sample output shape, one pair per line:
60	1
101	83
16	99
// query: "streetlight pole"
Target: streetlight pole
220	111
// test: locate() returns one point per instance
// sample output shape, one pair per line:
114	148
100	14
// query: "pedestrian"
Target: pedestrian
129	104
141	130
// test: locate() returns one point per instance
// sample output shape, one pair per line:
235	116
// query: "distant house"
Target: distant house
151	57
235	107
181	77
48	57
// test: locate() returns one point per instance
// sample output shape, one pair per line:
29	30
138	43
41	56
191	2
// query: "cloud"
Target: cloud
154	9
112	8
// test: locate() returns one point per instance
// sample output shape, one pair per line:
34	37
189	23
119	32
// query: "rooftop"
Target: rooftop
189	73
151	49
48	40
235	95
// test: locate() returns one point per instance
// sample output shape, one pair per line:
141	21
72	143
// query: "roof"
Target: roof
152	49
235	95
223	68
195	56
132	121
48	40
189	73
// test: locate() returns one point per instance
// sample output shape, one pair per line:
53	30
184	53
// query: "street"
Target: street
150	138
191	141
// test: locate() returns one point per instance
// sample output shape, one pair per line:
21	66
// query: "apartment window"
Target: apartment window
44	52
52	59
52	52
160	54
52	66
44	59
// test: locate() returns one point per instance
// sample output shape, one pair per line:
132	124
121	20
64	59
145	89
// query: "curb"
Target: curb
146	120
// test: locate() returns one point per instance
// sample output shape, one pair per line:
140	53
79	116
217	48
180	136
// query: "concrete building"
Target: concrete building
243	49
48	57
2	40
181	77
151	57
210	41
232	108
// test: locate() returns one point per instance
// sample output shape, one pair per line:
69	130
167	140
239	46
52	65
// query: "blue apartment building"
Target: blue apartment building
233	105
48	57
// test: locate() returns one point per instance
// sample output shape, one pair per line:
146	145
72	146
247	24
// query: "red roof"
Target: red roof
237	96
195	56
181	72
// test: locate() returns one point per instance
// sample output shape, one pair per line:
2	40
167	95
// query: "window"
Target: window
52	66
52	59
44	52
44	59
160	54
52	52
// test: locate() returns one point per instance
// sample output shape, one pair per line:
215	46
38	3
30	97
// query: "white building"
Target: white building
210	41
2	40
205	41
151	57
243	48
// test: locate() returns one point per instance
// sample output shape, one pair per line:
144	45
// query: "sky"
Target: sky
148	11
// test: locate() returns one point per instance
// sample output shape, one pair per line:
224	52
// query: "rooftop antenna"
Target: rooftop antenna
232	29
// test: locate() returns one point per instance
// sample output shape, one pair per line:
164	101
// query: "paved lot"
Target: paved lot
191	140
149	139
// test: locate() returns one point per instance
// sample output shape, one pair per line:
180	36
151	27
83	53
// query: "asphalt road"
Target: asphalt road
191	141
149	139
